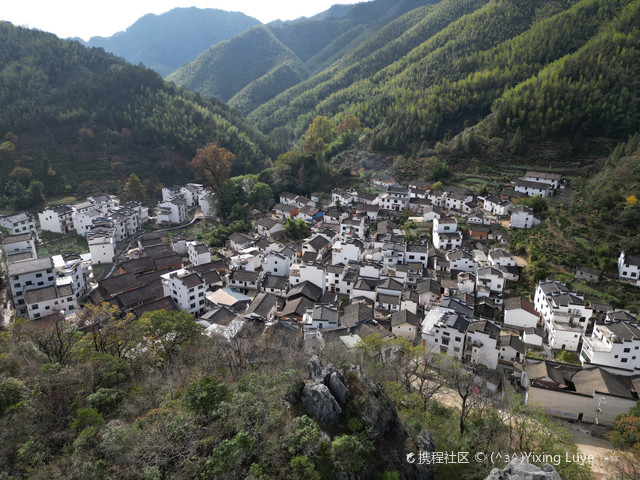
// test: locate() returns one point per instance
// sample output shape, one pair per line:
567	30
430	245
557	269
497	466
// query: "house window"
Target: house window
627	350
624	360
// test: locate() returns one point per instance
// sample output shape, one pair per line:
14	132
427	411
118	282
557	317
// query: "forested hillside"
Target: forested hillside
72	114
253	67
165	42
228	68
553	68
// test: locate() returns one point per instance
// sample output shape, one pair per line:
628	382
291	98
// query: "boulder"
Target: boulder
520	469
321	404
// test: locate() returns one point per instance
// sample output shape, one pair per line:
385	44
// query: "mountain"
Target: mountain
165	42
285	52
230	67
533	70
74	116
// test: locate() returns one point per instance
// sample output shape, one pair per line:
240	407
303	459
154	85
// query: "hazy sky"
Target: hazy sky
85	19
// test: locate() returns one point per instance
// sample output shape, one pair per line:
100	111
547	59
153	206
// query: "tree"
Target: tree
465	380
134	189
21	175
296	229
212	165
261	197
109	331
53	336
167	332
351	123
36	190
320	133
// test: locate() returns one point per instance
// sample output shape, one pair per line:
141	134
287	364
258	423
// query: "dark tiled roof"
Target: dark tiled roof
165	303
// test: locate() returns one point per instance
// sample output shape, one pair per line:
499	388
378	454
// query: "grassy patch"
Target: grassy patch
56	244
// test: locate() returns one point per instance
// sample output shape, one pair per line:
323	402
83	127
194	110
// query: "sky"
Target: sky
85	19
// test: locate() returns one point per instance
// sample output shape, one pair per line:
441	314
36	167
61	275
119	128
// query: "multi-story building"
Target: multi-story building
18	223
28	275
186	289
615	344
629	268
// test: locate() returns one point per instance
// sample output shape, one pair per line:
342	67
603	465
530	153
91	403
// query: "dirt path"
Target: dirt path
601	449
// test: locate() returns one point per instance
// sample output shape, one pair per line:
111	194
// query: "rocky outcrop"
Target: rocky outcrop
320	404
333	399
519	469
326	397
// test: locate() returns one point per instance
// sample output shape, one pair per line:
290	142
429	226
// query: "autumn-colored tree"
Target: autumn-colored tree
631	200
134	189
212	165
85	134
320	133
21	175
351	123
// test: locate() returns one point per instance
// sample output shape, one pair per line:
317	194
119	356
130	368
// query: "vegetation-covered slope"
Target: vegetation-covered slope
165	42
544	66
310	44
89	115
229	67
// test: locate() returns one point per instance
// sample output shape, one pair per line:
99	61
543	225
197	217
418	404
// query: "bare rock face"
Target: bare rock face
337	387
321	405
315	368
325	398
519	469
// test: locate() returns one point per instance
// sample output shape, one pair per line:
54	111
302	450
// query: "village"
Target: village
447	285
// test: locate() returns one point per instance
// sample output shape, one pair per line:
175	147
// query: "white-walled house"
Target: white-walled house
523	217
500	257
520	312
199	253
352	228
417	254
347	251
18	223
565	315
268	227
102	245
444	332
28	275
552	179
46	301
629	268
187	290
614	345
497	206
319	317
172	211
461	260
540	189
445	234
313	272
206	200
19	243
58	219
279	262
405	324
490	278
481	343
395	198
